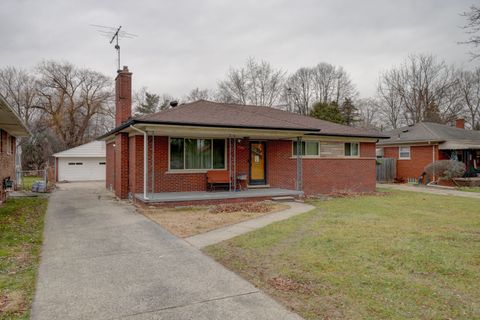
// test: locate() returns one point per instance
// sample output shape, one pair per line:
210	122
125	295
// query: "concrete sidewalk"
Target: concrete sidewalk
102	260
431	190
225	233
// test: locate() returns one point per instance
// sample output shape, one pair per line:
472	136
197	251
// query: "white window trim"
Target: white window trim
354	156
409	153
294	156
343	156
169	170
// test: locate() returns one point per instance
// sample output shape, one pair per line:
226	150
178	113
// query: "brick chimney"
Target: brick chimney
123	96
460	123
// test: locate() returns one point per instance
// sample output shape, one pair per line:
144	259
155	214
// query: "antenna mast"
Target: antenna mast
117	47
114	34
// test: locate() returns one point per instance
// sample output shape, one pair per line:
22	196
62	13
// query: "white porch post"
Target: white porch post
145	161
234	164
229	163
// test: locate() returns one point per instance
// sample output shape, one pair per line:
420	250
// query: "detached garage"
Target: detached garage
82	163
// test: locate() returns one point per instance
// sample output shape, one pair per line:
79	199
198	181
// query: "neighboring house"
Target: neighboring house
11	128
252	145
418	145
83	163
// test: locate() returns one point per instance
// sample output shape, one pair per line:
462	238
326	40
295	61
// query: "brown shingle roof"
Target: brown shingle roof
208	113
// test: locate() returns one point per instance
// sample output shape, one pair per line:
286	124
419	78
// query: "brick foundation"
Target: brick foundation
200	202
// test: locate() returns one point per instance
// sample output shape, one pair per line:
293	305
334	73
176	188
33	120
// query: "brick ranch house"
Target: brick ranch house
417	146
11	127
171	155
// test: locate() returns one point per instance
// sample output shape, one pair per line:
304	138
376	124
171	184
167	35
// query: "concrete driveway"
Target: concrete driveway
101	260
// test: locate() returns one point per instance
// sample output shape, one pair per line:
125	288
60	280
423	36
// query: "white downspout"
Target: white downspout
145	161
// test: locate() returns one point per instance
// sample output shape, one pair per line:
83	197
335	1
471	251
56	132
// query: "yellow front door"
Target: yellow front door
257	163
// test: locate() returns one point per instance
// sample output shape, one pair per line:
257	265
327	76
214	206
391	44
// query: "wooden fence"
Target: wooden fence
386	169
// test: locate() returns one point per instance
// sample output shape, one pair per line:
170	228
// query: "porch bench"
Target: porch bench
217	178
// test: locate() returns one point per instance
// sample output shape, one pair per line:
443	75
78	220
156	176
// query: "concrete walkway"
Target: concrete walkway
222	234
431	190
102	260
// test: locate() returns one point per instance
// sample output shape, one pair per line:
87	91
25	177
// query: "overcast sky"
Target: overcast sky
185	44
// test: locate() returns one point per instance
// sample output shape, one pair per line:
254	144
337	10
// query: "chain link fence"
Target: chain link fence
32	180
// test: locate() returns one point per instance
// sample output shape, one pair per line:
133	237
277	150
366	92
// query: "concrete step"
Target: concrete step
283	199
258	186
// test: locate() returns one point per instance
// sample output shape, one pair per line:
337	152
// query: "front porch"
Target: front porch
212	197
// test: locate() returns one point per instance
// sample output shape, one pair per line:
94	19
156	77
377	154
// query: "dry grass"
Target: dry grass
21	226
188	221
404	255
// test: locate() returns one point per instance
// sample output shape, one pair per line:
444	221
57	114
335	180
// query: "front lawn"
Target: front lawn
470	189
21	228
402	255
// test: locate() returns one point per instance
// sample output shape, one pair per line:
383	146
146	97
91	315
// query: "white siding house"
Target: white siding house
82	163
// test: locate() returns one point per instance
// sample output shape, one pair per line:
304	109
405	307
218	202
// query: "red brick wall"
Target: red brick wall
136	164
165	181
110	166
322	175
121	165
368	150
420	157
7	161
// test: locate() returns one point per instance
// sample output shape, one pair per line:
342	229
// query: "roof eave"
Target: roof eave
19	128
348	135
385	143
171	123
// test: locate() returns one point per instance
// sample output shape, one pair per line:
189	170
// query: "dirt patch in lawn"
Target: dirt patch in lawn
12	303
188	221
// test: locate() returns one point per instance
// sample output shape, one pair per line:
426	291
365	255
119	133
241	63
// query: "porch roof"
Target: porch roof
215	195
459	145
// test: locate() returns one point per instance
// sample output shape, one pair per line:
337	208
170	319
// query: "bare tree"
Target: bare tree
472	28
369	114
256	83
138	98
332	84
425	88
298	92
20	90
165	100
199	94
70	98
389	102
469	87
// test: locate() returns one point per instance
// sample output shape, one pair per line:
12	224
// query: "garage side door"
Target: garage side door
81	169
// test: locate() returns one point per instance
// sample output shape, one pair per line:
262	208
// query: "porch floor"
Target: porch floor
216	195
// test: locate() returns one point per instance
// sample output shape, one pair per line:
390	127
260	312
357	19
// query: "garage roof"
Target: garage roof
94	149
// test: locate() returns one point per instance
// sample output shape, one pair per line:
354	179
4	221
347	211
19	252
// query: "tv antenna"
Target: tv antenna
114	34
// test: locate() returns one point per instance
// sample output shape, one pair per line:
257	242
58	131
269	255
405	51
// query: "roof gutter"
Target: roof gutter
145	161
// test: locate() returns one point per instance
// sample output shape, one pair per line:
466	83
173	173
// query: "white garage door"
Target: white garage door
81	169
